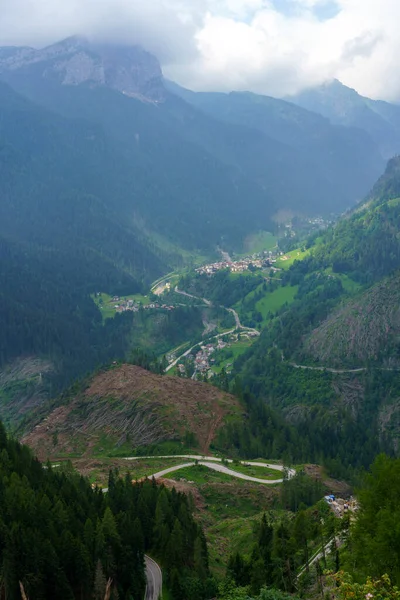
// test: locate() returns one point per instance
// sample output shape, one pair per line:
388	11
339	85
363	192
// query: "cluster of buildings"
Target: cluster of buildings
263	260
124	305
203	360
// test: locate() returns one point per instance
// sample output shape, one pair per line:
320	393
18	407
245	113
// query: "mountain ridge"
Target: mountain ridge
344	106
320	177
76	60
329	360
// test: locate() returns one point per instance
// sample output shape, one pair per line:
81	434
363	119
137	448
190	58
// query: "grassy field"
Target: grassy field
148	466
273	301
229	518
349	285
259	472
286	261
229	536
107	306
97	469
231	353
200	475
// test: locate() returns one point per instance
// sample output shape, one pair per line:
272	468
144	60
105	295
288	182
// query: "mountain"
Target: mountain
312	167
174	181
131	71
344	106
126	408
345	162
110	180
80	215
329	360
362	330
365	245
64	234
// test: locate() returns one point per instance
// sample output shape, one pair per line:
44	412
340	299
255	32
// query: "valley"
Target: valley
199	334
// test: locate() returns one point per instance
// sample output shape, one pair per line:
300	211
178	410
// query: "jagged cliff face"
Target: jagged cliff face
127	69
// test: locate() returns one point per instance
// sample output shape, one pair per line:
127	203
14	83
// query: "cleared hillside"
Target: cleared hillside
128	407
363	329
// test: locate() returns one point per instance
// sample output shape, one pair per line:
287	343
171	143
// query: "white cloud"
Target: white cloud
270	46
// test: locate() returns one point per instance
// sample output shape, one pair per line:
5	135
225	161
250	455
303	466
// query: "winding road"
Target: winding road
154	579
153	571
238	325
214	463
208	302
328	369
231	310
340	371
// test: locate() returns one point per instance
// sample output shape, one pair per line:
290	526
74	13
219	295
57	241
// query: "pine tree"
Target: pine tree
99	583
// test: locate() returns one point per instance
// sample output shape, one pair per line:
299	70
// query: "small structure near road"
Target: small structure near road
341	506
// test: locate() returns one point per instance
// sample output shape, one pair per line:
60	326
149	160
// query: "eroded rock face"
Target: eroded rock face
75	61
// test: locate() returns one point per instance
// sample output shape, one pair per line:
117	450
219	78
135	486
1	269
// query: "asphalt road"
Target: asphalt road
238	325
154	580
215	464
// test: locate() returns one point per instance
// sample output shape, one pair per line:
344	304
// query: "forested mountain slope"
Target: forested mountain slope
361	331
63	188
272	152
344	161
44	313
62	539
366	244
63	235
330	360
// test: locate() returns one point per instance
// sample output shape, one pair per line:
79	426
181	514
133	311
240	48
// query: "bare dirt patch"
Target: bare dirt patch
128	404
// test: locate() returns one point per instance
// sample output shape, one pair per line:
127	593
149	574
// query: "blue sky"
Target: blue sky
322	10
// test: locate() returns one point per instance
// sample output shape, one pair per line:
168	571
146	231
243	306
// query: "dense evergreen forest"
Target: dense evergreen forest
339	318
315	436
222	287
101	192
364	565
365	244
44	314
62	539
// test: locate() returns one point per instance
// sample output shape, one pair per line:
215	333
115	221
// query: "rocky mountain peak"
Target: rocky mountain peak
76	60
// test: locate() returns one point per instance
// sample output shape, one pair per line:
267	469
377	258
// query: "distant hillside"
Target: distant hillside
329	360
232	148
344	106
127	408
361	330
344	161
64	234
109	180
366	244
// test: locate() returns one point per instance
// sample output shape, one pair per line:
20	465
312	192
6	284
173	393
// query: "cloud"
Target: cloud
275	47
362	46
